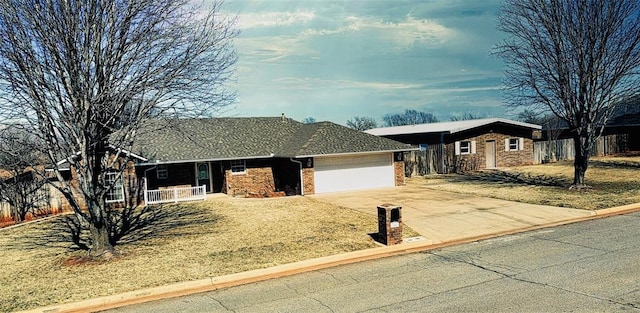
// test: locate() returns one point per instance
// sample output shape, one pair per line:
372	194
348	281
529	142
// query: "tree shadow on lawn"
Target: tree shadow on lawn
511	178
152	222
615	164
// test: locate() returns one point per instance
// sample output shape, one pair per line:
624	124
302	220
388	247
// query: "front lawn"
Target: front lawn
614	181
193	241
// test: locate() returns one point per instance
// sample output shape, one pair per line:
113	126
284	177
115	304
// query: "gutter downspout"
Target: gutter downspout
146	197
301	176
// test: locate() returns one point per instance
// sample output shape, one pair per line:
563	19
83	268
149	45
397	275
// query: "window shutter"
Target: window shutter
473	147
506	144
521	145
457	144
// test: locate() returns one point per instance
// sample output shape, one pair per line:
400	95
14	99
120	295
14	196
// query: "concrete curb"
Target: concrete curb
213	283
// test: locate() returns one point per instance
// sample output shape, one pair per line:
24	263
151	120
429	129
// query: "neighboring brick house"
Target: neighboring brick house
466	145
266	156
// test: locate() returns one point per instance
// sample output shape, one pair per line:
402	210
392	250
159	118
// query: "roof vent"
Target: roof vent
283	117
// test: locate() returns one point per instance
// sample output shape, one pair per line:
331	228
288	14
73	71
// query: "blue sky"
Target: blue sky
333	60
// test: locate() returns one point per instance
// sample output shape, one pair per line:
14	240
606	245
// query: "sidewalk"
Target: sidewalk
443	219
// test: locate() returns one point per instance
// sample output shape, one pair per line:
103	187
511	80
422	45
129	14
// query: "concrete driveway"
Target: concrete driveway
445	216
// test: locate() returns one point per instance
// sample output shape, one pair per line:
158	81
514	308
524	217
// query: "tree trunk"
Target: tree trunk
581	161
100	245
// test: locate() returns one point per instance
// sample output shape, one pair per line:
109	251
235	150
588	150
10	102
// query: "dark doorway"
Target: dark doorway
217	175
286	175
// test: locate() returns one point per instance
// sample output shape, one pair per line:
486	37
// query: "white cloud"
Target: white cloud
314	83
393	36
274	19
403	33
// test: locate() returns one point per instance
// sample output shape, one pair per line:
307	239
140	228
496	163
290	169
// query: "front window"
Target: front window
514	144
465	147
116	192
162	172
238	166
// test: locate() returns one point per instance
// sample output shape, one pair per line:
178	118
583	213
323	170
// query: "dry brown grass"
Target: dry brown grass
614	181
200	240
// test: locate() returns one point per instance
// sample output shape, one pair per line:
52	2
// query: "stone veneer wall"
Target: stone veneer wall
503	158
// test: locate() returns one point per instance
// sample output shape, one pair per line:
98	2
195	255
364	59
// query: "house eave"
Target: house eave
158	162
356	153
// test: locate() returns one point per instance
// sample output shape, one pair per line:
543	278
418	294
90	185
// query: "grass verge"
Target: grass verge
195	241
614	181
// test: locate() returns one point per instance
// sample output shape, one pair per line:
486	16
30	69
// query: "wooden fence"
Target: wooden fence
434	159
564	149
46	201
5	211
429	160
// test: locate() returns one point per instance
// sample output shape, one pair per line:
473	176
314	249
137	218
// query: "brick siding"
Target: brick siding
309	182
398	169
255	182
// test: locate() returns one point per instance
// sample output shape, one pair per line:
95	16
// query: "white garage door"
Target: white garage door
353	172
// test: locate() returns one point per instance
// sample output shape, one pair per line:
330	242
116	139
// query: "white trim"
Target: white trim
301	175
356	153
464	147
117	183
473	147
127	152
445	127
521	145
175	195
457	147
210	176
156	162
518	144
276	156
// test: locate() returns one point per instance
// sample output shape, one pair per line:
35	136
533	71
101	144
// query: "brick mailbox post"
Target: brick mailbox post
390	224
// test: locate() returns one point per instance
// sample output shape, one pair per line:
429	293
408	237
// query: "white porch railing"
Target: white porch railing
175	195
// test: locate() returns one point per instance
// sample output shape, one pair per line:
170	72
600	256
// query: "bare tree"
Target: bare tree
409	117
22	189
84	76
577	58
466	116
309	120
362	123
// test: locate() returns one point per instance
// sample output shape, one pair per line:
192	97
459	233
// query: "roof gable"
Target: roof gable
326	138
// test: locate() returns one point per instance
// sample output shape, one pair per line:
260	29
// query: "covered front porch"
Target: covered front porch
192	181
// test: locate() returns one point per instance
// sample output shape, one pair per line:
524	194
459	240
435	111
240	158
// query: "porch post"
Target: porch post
210	177
175	194
146	196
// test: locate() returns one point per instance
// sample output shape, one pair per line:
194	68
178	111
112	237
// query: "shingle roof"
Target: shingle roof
326	138
446	127
252	137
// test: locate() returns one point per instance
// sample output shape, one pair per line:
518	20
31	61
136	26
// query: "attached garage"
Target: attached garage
353	172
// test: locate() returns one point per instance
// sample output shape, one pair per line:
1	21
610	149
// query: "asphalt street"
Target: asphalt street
591	266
